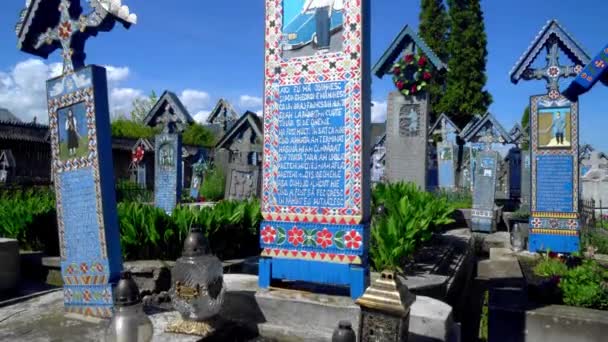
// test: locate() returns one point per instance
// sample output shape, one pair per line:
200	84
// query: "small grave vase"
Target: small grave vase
197	292
518	237
129	323
385	310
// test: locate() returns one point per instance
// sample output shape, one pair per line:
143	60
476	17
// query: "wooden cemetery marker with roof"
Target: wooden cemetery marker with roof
407	122
554	142
79	124
315	187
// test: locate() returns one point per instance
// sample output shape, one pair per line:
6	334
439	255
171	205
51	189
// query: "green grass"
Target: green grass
81	151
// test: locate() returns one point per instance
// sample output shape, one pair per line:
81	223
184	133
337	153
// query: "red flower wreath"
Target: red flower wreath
412	74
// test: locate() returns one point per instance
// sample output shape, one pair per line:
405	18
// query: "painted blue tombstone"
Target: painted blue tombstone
169	114
554	138
315	192
446	150
408	158
480	134
168	171
79	125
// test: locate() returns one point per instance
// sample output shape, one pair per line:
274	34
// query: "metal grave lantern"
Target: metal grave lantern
385	310
198	289
129	322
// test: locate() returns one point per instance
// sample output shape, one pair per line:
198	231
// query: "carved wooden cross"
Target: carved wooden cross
553	71
86	25
487	139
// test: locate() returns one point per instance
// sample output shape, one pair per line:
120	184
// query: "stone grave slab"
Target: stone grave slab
407	125
483	215
315	189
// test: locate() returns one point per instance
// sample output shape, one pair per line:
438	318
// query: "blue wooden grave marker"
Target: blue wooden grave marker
315	197
79	124
554	137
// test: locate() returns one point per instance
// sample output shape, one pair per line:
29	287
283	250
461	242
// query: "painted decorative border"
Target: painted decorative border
541	214
341	66
554	223
313	256
93	311
560	232
87	96
573	150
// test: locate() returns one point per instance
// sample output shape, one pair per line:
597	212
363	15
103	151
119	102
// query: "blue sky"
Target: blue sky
204	50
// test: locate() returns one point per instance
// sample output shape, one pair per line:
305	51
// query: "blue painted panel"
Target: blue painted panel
555	243
79	205
168	173
311	145
322	272
554	183
593	72
446	166
79	124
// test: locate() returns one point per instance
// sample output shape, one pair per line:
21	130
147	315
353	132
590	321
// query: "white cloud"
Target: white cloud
201	116
378	111
117	74
121	100
250	102
23	89
195	100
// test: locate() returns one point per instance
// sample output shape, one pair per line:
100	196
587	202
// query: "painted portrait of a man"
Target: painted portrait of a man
554	127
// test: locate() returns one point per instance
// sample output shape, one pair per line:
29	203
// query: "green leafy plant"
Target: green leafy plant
586	286
523	213
198	135
550	267
214	184
125	128
460	199
411	217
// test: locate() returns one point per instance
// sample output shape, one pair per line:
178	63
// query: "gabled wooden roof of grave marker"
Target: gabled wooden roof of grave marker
249	118
24	131
40	15
437	125
474	129
146	143
222	106
595	70
567	44
407	37
159	109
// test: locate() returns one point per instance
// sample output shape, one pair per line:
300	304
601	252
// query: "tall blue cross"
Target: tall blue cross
552	71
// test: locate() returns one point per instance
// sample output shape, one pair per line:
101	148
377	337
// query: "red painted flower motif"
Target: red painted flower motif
65	30
269	234
426	76
84	267
414	89
353	240
422	61
324	238
295	236
408	58
396	70
400	85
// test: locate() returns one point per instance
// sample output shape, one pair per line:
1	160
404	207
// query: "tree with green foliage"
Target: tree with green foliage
142	106
465	95
198	135
525	124
434	27
525	118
